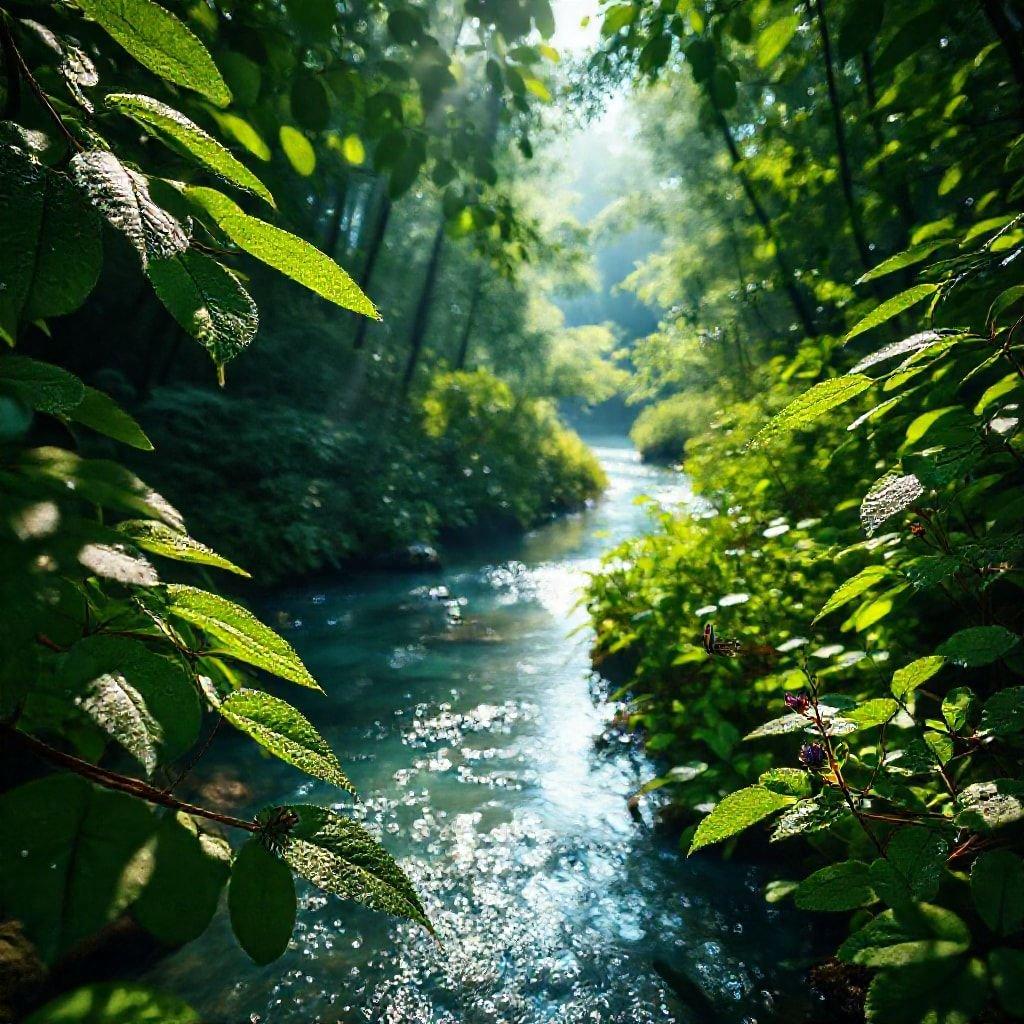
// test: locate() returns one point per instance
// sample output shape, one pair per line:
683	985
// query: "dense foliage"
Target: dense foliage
132	218
839	186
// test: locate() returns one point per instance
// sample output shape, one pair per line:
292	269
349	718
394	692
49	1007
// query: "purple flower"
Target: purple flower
798	702
813	756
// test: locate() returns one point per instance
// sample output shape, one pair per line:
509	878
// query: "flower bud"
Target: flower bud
813	756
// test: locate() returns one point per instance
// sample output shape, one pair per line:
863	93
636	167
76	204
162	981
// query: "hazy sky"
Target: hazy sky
569	35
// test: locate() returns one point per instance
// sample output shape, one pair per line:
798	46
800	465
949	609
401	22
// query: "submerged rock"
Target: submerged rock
411	557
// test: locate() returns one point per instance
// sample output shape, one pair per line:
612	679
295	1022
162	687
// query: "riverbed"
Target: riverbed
462	705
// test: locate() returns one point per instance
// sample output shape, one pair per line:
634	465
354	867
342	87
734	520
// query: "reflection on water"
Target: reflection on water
465	714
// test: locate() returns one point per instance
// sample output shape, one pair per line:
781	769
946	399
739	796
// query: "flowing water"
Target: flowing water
468	719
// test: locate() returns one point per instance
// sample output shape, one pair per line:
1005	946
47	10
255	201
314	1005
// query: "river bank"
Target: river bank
468	719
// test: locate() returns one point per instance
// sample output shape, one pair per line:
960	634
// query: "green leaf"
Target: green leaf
1004	712
298	149
809	816
98	481
788	781
208	301
990	805
678	775
51	255
286	253
160	42
68	866
907	679
190	868
853	588
889	496
825	396
339	856
772	40
309	103
1006	969
841	886
114	1003
285	732
911	934
892	307
907	258
40	386
239	632
242	75
776	891
102	414
978	645
242	132
738	811
931	993
618	17
779	727
925	755
872	713
997	886
928	570
1003	301
177	132
915	860
159	539
316	17
141	700
122	196
915	343
261	902
958	707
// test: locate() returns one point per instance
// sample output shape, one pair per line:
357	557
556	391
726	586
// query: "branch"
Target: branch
11	68
16	63
120	783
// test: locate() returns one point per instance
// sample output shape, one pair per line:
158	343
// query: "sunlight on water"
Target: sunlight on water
478	740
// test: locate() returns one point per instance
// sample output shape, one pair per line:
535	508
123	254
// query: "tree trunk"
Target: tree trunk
337	216
902	199
467	328
796	297
845	174
372	253
421	316
1009	37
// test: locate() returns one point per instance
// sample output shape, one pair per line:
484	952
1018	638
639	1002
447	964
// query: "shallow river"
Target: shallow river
473	730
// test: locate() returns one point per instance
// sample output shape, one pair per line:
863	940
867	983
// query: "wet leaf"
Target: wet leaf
285	732
239	632
997	886
978	645
736	812
160	42
292	256
122	196
339	856
142	700
836	887
160	539
180	134
261	901
66	869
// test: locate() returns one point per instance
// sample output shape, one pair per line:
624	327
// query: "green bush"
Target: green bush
661	430
294	493
834	648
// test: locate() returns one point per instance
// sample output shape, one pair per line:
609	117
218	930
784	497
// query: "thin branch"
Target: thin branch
11	68
11	52
120	783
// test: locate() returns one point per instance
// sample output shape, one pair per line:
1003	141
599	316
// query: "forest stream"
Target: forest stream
468	718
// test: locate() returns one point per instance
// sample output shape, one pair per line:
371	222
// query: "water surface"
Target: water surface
462	706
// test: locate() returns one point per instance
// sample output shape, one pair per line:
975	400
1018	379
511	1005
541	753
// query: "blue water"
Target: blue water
474	731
